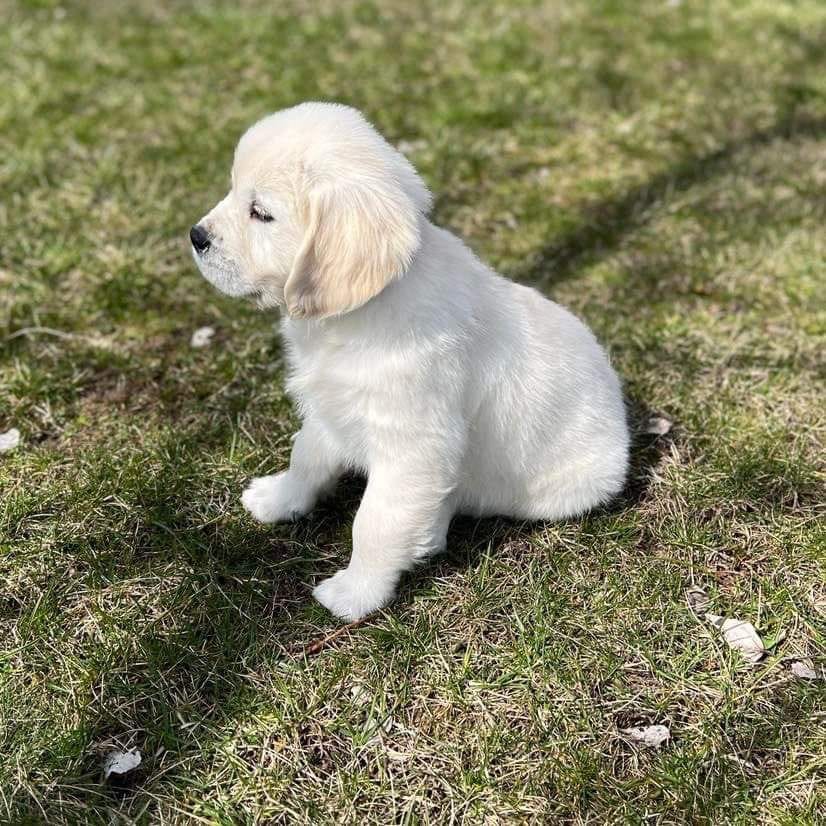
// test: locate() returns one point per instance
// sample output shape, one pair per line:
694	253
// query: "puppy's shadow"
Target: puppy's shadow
647	450
469	538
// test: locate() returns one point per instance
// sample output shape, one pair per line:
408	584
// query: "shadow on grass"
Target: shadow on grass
241	606
470	538
605	224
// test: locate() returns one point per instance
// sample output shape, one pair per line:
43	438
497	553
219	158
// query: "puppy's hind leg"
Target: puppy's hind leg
291	494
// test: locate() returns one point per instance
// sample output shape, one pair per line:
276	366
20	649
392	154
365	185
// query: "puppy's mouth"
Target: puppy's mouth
223	276
226	278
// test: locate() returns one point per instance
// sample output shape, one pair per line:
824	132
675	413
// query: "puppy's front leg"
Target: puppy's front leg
403	518
291	494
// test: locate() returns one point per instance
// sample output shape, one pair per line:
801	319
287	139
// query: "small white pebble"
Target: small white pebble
121	762
202	337
804	670
740	635
9	440
360	694
658	426
651	736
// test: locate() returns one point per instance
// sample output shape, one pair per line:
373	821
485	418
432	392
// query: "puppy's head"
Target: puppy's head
323	213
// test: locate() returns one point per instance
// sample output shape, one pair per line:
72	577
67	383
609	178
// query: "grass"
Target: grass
658	167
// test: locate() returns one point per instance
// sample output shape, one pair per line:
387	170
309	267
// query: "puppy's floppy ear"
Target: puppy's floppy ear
361	234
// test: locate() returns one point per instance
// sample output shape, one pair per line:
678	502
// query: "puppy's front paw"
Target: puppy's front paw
351	596
276	498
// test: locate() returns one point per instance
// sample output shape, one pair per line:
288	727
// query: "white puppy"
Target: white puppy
450	387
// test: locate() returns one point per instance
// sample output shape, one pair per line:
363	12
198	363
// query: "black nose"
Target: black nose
199	237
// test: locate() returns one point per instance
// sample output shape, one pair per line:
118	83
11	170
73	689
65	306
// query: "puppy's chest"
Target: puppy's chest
339	388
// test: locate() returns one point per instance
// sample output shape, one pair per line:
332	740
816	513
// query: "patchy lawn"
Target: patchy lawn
660	168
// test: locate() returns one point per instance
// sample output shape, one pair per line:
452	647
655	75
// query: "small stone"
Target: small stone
9	440
652	736
120	762
804	669
658	426
202	337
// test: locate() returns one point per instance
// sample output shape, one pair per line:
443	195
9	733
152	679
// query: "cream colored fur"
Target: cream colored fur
450	387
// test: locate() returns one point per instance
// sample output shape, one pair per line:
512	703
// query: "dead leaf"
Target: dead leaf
9	440
121	762
804	669
698	600
740	635
202	337
658	426
360	694
651	736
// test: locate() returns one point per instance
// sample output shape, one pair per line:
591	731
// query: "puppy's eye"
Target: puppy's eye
258	214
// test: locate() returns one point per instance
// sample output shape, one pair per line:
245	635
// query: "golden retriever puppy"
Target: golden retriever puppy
453	389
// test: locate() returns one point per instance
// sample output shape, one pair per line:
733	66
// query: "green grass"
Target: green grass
658	167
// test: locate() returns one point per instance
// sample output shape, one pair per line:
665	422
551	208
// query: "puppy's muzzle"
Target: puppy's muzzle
200	239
